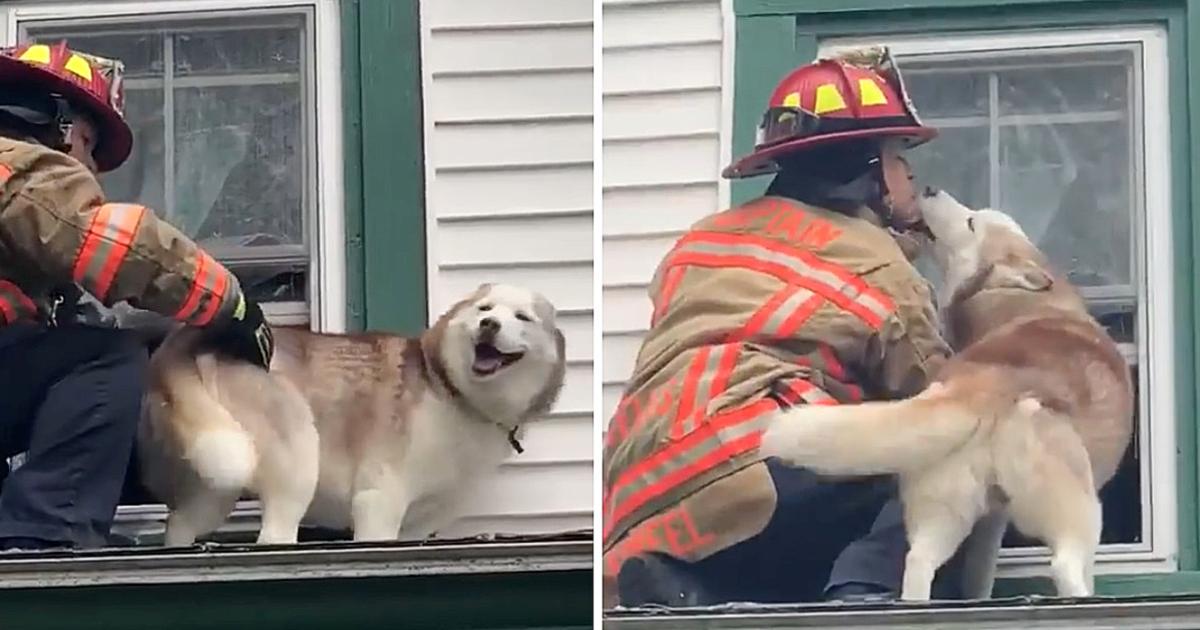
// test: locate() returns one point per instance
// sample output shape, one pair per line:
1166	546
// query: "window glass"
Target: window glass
219	113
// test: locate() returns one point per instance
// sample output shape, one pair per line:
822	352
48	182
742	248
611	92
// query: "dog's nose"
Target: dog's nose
489	325
930	191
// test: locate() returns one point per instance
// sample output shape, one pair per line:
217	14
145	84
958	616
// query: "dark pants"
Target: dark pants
823	535
71	401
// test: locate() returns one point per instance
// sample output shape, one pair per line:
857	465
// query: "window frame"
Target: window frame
326	309
771	37
1152	232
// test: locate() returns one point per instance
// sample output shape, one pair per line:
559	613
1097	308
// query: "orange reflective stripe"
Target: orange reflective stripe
14	304
211	279
724	436
794	266
107	242
707	378
670	284
800	389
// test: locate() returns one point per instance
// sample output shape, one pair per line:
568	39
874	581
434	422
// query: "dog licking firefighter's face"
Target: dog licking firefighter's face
957	234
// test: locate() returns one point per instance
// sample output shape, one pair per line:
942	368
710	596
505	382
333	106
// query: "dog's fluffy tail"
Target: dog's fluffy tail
216	445
871	438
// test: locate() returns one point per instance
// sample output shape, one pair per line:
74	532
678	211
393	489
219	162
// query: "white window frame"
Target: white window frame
1154	276
326	310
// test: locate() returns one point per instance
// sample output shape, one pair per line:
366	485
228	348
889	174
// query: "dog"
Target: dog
1025	423
373	432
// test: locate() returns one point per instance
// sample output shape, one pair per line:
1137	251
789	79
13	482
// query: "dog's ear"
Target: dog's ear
1022	274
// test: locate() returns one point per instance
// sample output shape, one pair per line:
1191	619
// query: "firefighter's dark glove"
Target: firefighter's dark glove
245	337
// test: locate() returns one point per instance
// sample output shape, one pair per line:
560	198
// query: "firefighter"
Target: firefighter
802	296
72	391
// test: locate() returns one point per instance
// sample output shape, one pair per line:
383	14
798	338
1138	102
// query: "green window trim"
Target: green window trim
386	266
773	36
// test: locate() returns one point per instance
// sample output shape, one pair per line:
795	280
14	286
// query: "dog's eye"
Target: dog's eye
523	317
971	223
485	307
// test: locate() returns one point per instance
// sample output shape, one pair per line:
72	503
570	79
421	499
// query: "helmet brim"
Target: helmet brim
762	160
116	138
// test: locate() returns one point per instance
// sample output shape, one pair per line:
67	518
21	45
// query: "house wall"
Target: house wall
508	141
667	103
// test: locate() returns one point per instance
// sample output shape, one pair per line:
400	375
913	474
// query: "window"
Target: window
223	100
1067	131
218	106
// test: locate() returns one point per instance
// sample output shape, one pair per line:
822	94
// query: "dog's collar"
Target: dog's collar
511	432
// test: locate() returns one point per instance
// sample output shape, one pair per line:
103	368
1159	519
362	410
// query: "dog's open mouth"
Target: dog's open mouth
922	227
489	359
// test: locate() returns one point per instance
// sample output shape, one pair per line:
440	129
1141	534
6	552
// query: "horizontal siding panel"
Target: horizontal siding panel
566	439
576	396
512	95
567	286
510	493
542	239
677	160
492	144
661	114
620	354
577	329
483	192
609	399
627	309
632	261
642	25
662	69
511	49
461	13
510	200
657	210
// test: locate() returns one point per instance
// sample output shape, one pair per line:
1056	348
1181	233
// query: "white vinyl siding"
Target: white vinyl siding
508	142
665	140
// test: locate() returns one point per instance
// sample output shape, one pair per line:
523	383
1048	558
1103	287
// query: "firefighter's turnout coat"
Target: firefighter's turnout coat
56	229
770	303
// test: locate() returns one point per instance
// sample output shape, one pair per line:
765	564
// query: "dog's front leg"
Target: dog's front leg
378	509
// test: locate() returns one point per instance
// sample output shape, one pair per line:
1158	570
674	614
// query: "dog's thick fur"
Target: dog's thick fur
375	432
1026	422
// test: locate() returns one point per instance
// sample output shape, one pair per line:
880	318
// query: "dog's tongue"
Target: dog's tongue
487	358
487	364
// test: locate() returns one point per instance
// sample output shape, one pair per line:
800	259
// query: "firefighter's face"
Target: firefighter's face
83	139
901	193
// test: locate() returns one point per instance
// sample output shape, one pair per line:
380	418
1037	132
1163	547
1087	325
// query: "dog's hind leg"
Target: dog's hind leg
198	513
1053	498
287	481
939	512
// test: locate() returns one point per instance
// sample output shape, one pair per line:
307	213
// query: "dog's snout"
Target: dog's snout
489	325
930	191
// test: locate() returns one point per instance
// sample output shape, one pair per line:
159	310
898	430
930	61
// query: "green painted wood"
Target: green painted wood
824	7
818	19
393	166
1185	124
515	600
765	51
352	169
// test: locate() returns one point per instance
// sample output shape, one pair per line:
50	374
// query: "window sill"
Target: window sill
321	560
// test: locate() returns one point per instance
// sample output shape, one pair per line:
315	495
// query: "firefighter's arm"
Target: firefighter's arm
908	349
54	215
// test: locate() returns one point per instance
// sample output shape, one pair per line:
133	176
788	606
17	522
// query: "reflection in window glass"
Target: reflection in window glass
1051	138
